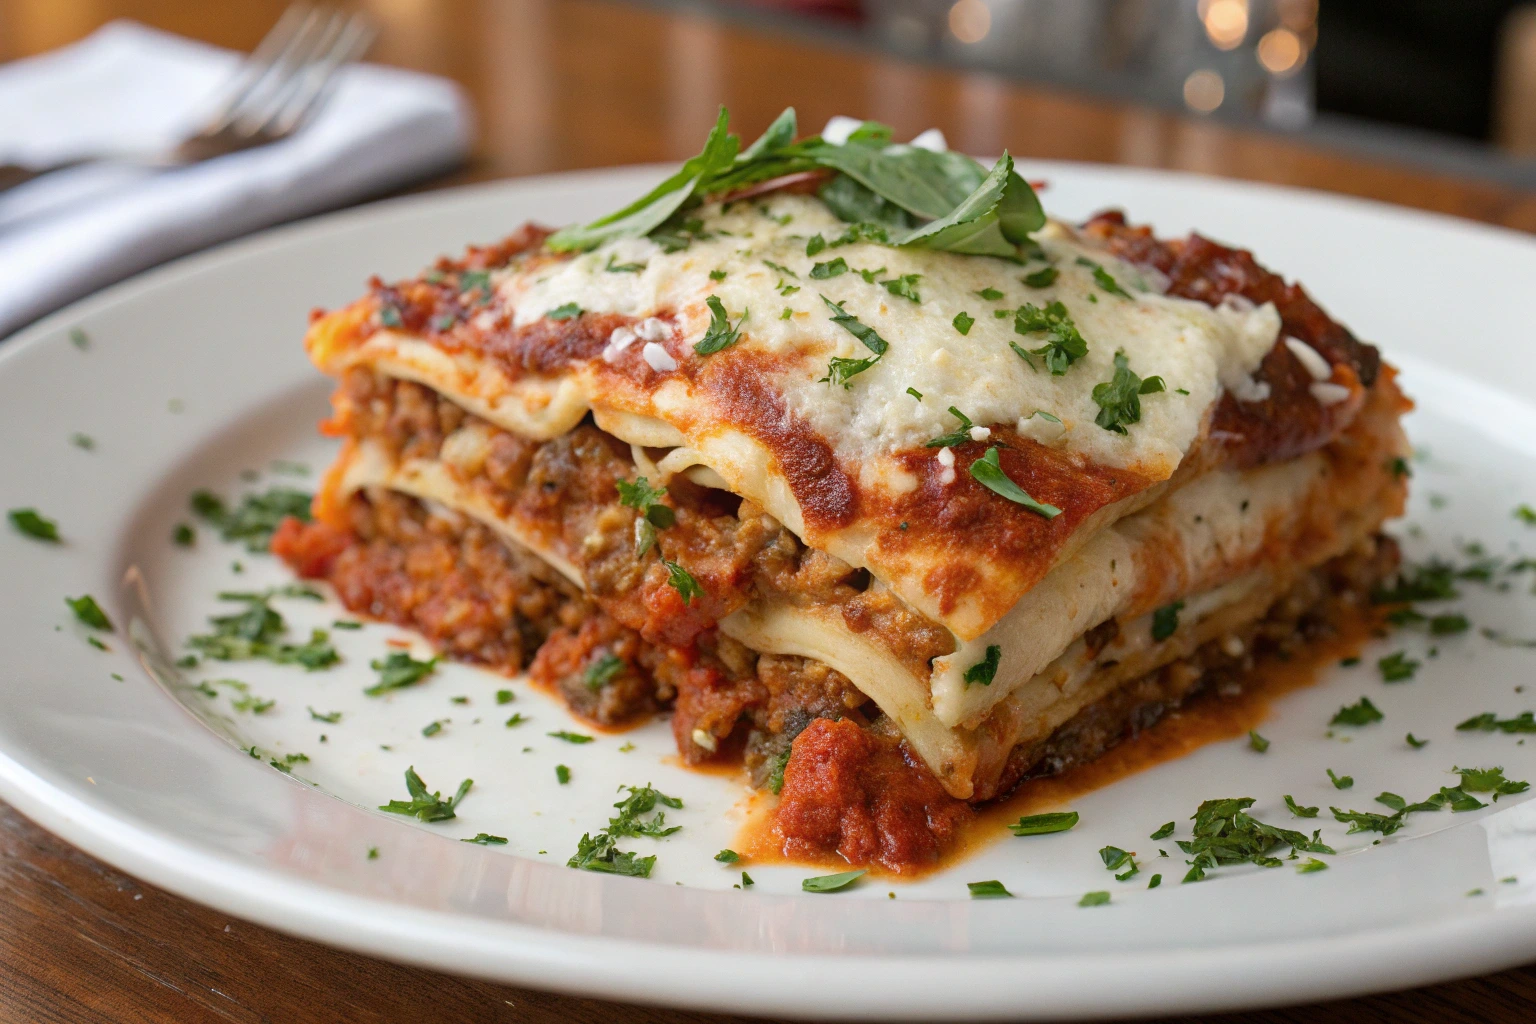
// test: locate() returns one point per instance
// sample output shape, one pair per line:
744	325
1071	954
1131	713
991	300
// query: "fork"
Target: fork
271	95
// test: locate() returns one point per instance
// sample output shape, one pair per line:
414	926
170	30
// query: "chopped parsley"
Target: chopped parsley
988	471
963	321
601	853
1526	514
1224	833
1103	278
717	275
330	717
1525	722
89	612
1097	898
422	805
486	839
398	671
1362	713
256	634
829	269
1163	832
781	269
1489	780
1298	810
183	535
570	737
518	718
905	287
985	671
775	781
29	522
1115	858
1064	345
682	581
1044	824
641	496
841	369
257	516
722	334
1042	278
505	696
1432	581
562	774
1257	742
815	244
567	311
389	316
79	339
915	393
1417	744
1310	865
831	883
1165	620
727	856
433	728
960	435
623	268
603	671
1119	399
991	889
1397	667
1340	781
990	294
85	442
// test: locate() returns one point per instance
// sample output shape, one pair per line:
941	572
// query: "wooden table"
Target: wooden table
576	83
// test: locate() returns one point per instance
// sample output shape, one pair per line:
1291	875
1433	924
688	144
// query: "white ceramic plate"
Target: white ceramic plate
194	373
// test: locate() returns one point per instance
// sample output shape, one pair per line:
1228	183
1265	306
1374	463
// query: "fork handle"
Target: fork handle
12	175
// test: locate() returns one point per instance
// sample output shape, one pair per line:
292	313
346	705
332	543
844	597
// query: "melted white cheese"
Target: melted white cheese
1191	346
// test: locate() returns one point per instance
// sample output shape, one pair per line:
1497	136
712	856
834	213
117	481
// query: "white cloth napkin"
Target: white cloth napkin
131	87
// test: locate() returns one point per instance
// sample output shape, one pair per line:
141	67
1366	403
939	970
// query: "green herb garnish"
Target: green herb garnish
257	516
988	471
398	671
89	612
1044	824
991	889
1397	667
486	839
1119	399
962	322
1097	898
721	333
1043	278
1103	278
1064	345
1165	620
422	805
682	581
29	522
831	883
1362	713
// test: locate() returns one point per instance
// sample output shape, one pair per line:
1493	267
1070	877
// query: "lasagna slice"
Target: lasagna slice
896	506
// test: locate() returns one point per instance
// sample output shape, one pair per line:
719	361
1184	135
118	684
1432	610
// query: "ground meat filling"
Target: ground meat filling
859	794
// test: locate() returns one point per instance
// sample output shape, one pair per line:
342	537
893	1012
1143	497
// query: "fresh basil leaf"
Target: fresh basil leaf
994	220
858	204
653	209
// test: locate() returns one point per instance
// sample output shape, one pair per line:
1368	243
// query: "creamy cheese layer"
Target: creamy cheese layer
760	248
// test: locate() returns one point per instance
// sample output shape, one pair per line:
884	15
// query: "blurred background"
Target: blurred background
1425	103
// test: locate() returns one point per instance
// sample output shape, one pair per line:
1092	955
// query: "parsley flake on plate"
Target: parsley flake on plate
425	806
831	883
991	889
89	612
1044	824
330	717
727	856
257	516
1340	781
1525	722
1397	667
1224	833
570	737
601	853
1163	831
486	839
1362	713
1298	810
1256	742
34	525
257	634
1098	898
562	774
399	670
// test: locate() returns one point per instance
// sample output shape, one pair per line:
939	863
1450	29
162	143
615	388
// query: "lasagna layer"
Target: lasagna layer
1228	544
724	349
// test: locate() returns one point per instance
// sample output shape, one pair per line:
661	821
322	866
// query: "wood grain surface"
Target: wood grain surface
560	84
